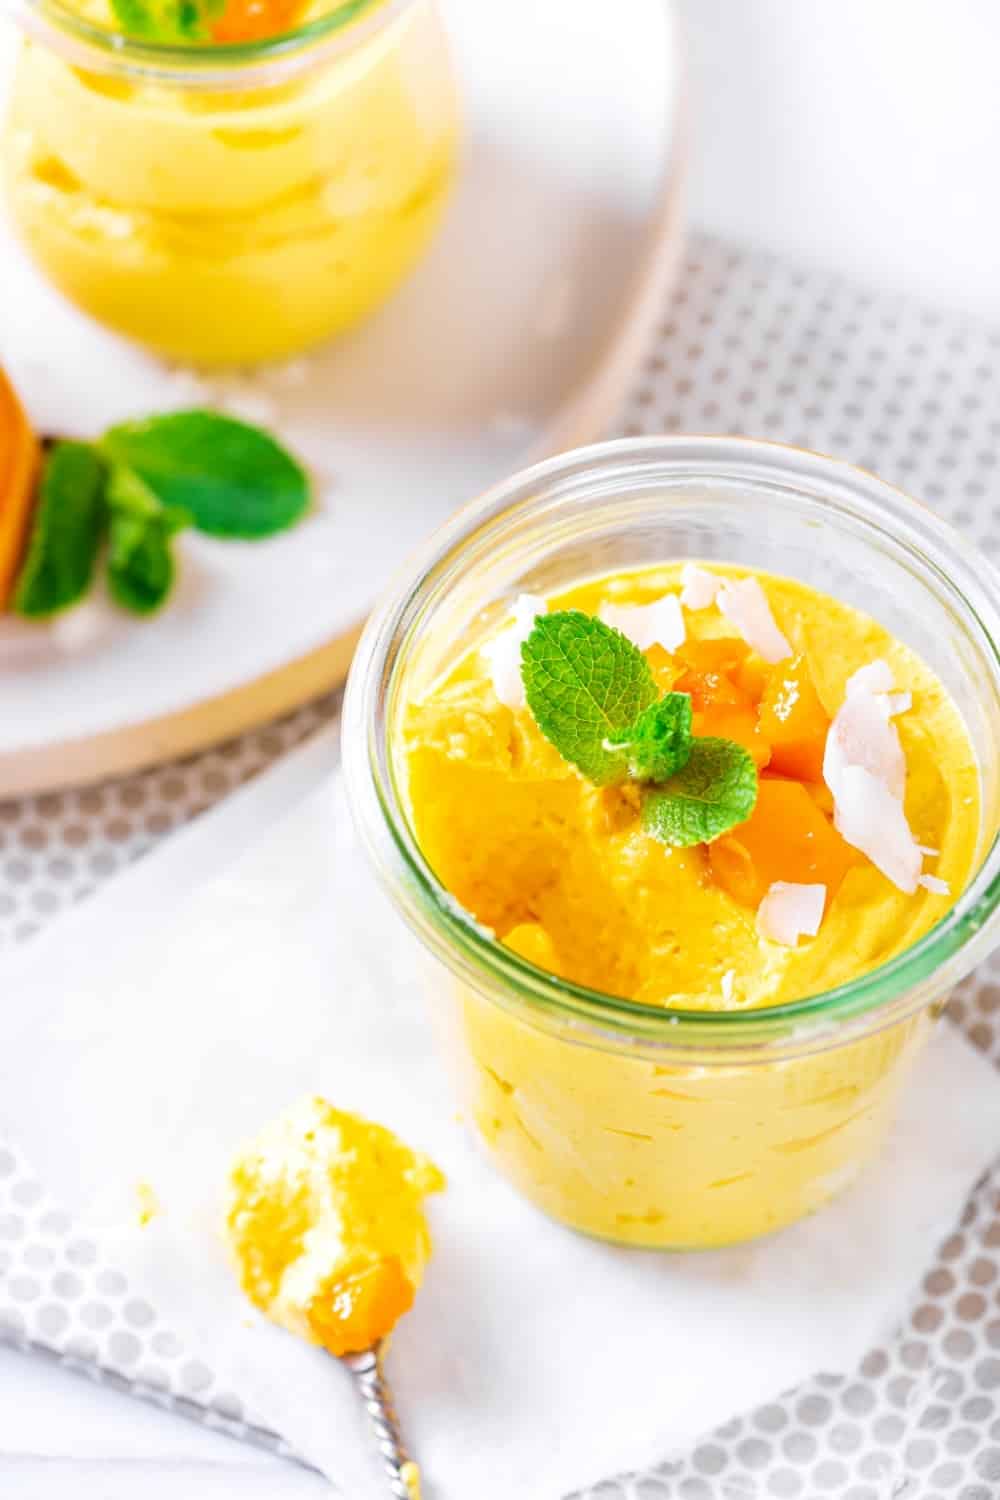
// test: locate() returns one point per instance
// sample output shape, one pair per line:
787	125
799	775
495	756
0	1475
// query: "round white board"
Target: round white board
514	338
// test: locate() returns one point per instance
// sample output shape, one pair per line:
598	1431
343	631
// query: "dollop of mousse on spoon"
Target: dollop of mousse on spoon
326	1225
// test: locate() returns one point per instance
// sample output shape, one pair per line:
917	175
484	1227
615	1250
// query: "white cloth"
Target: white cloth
153	1030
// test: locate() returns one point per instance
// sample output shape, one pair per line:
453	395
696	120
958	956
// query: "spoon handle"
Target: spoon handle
370	1381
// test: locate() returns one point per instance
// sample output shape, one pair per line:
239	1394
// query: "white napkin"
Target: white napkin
155	1029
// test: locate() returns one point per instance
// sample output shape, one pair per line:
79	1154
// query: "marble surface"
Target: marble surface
855	136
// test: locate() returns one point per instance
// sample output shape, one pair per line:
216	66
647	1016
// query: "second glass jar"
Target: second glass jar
230	204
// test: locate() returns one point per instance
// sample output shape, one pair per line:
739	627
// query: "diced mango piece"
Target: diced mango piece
665	668
734	721
720	680
794	722
786	837
357	1309
252	20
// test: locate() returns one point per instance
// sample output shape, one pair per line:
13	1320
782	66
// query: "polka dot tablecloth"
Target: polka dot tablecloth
749	345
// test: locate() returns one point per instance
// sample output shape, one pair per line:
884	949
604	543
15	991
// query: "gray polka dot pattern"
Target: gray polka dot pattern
58	1300
748	345
920	1418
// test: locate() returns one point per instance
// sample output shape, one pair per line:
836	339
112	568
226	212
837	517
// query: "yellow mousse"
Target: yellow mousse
649	1149
326	1225
241	223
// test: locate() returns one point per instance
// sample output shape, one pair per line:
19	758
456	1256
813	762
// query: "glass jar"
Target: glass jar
642	1124
231	203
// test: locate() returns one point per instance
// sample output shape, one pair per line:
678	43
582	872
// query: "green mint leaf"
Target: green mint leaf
715	790
235	480
141	565
659	742
167	20
586	684
66	532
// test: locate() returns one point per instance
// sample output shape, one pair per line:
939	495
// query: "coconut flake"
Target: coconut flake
745	604
870	817
926	849
658	624
865	769
700	586
503	653
936	884
876	677
863	734
727	985
790	911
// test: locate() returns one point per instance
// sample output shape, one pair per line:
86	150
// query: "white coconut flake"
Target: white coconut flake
865	769
790	911
926	849
503	653
745	604
727	985
870	817
700	586
863	734
876	677
936	884
658	624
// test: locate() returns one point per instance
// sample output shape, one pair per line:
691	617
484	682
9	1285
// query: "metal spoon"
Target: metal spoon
366	1368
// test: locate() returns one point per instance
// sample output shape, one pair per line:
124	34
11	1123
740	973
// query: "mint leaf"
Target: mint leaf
140	559
234	479
659	742
586	684
66	532
715	790
167	20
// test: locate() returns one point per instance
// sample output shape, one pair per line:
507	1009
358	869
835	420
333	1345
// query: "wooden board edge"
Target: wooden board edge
136	747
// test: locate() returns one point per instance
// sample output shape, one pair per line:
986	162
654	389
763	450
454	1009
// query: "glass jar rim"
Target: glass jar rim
346	25
901	985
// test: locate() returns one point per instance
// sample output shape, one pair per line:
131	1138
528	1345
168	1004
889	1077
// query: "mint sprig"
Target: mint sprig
235	480
716	789
141	564
594	697
135	488
167	20
659	741
66	533
586	686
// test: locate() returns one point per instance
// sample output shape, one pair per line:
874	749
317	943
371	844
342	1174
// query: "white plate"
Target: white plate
514	338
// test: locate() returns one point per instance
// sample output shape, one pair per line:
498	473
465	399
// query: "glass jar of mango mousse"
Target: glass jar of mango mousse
645	1057
239	195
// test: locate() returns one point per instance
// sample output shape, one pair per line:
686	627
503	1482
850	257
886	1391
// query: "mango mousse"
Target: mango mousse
710	789
326	1227
215	214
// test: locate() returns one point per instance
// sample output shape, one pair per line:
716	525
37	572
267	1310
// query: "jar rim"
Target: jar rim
226	65
900	986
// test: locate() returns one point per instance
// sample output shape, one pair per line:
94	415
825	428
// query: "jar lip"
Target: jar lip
343	27
958	940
